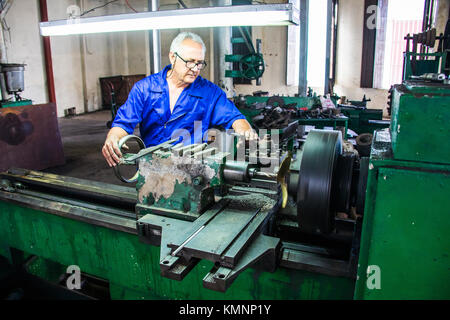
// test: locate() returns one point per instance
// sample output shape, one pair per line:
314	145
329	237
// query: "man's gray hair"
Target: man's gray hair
176	43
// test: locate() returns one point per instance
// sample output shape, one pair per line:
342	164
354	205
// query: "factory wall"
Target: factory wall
24	45
79	61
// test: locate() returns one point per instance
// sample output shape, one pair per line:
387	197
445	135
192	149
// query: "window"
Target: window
384	44
316	58
396	18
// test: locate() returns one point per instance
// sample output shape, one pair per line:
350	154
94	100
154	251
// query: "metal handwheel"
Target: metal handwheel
252	66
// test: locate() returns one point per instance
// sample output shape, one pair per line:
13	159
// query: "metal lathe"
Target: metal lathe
297	217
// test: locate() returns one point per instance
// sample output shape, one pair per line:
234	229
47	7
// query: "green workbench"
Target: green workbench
115	254
405	238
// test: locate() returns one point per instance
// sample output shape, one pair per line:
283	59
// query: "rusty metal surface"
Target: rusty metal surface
30	137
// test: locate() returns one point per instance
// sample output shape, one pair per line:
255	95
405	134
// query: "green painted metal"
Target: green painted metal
405	230
187	182
301	102
251	66
132	267
423	64
358	119
233	57
419	122
8	104
44	268
237	40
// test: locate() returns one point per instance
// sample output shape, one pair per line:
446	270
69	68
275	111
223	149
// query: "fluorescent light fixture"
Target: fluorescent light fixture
249	15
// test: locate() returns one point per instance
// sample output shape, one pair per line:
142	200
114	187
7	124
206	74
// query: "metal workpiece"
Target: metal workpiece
128	159
237	171
133	158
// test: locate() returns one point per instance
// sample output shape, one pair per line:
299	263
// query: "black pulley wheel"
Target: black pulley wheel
342	183
319	159
362	185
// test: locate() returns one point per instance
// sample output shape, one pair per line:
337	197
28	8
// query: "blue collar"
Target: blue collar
193	89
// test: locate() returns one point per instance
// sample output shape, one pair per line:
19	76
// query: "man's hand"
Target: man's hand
110	149
243	128
250	135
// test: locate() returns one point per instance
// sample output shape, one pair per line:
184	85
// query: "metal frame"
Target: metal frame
154	41
303	63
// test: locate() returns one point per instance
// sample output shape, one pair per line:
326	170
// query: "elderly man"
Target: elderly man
174	99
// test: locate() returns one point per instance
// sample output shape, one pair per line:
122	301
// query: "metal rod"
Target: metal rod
248	42
187	240
328	47
154	42
303	65
258	51
47	55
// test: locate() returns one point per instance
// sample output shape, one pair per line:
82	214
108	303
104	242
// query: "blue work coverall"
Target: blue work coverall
148	104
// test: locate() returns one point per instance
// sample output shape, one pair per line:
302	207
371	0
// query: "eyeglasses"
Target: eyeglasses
191	64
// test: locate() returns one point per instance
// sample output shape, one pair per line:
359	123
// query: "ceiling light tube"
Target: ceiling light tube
249	15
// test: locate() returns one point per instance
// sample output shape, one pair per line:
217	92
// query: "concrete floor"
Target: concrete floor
83	137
